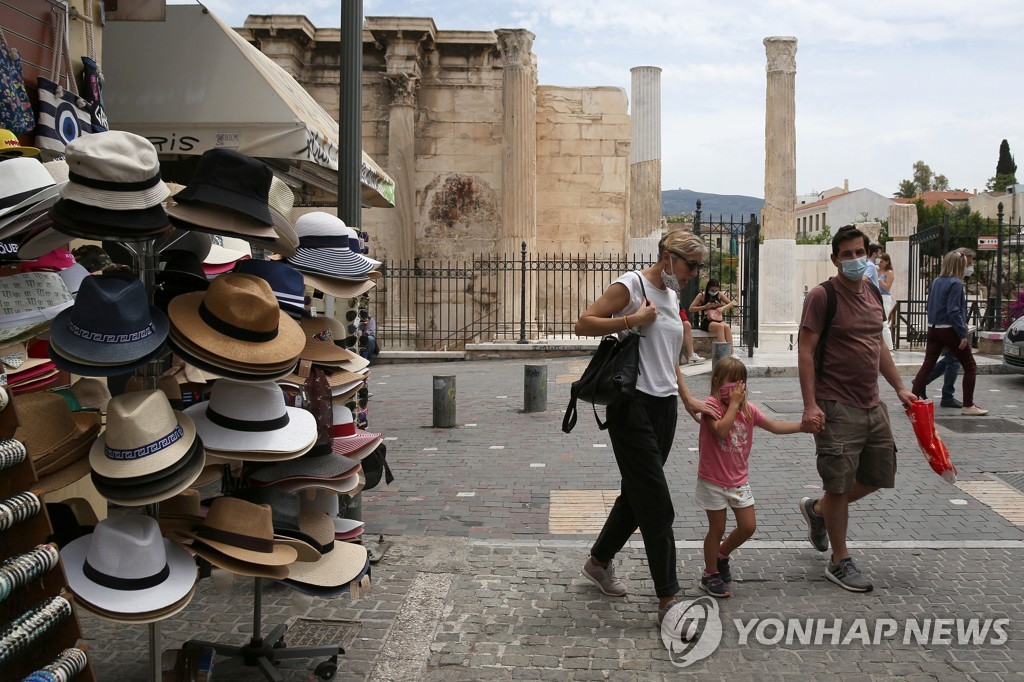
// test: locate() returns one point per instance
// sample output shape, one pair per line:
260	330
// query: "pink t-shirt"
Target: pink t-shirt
724	462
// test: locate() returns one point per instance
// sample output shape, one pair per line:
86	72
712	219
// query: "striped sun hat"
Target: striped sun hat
324	248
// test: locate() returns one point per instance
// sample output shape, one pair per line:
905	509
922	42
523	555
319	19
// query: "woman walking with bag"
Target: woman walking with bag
642	429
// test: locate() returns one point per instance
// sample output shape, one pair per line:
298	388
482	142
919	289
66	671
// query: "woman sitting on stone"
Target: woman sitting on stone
711	304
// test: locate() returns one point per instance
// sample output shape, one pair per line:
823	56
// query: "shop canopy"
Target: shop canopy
192	83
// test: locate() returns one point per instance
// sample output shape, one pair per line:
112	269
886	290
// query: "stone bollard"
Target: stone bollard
535	388
719	350
444	402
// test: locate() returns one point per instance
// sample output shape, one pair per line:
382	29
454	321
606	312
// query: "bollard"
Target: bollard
719	350
535	388
444	402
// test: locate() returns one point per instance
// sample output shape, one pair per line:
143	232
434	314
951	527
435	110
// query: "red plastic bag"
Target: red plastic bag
922	416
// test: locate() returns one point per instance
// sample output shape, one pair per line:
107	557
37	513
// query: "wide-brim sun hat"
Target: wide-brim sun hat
144	617
242	417
238	318
350	484
328	592
85	369
125	566
318	463
335	286
208	218
111	322
214	369
348	440
224	250
237	566
143	436
254	370
324	248
24	183
339	566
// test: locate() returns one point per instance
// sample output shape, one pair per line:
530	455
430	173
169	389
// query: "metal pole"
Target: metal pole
350	107
719	350
999	271
444	402
522	297
535	388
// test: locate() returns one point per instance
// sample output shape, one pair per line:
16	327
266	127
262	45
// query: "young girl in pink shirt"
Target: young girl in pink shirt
722	471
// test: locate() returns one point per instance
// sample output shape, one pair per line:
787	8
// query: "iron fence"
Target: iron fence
995	291
441	305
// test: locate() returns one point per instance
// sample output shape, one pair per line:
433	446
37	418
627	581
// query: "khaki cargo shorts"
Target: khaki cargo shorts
856	445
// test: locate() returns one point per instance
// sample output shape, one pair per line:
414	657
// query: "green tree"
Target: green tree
907	190
940	183
823	237
923	180
1006	170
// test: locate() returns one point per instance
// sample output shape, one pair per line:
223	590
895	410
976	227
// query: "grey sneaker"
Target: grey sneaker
848	576
604	578
724	570
816	531
715	586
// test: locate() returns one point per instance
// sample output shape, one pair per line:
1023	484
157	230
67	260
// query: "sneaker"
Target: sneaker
675	629
973	411
847	576
714	585
816	531
724	571
604	578
951	403
696	359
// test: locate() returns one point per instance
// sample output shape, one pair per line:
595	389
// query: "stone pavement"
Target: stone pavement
490	521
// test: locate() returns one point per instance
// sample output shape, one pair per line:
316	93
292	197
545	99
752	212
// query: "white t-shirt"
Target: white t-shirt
662	340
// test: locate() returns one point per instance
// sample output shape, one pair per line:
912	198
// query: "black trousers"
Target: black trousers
642	431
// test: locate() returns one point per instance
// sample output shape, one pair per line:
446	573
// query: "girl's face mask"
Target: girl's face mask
712	294
724	389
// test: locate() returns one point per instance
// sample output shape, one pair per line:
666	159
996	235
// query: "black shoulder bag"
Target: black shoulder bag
611	374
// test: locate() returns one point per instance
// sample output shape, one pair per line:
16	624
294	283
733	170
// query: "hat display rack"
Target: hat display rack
230	305
39	628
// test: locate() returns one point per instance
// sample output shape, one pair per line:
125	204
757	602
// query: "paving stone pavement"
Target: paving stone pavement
476	587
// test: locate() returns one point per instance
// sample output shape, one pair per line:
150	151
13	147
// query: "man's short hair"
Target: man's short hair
846	233
873	249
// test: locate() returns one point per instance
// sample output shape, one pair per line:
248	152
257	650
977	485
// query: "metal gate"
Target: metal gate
995	292
733	247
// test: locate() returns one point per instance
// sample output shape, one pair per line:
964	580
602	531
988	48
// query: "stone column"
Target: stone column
645	163
778	290
519	153
902	224
402	160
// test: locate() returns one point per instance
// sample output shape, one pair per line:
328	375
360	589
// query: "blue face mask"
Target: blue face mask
854	270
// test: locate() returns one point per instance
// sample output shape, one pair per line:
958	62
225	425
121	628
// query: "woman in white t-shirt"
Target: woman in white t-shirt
642	428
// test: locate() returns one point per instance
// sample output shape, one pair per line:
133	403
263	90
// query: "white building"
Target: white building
837	209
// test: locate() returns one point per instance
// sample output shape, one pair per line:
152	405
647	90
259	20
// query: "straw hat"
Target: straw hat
242	417
292	527
281	200
349	484
342	288
141	618
91	394
181	514
340	565
16	359
157	486
330	592
214	367
238	319
348	536
54	436
143	436
244	531
326	501
125	567
321	340
238	567
318	463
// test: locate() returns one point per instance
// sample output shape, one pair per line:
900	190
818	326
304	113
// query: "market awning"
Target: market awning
191	83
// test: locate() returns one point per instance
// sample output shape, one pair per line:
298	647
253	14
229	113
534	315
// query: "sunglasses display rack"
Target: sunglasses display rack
35	635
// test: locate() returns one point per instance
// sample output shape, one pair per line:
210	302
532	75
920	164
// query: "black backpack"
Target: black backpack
830	313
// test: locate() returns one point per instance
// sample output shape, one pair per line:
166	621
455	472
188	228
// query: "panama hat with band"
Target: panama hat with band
125	566
242	417
340	565
238	318
111	322
350	441
54	436
324	248
179	515
143	436
285	281
114	170
291	526
24	183
243	531
155	487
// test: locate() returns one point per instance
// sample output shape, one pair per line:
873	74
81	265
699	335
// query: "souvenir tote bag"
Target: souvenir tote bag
63	115
15	110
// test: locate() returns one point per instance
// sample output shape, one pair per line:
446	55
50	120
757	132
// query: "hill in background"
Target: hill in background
680	201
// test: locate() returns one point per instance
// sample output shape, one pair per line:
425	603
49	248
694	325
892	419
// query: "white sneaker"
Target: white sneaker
973	411
696	358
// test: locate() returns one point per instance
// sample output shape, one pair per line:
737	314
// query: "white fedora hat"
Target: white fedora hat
24	183
242	417
125	566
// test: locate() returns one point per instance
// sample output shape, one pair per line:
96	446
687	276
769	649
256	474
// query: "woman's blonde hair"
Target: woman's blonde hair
728	369
953	265
683	243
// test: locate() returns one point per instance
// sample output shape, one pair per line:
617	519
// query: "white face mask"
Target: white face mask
668	277
968	271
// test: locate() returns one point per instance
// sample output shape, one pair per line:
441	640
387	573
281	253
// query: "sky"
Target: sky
880	84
